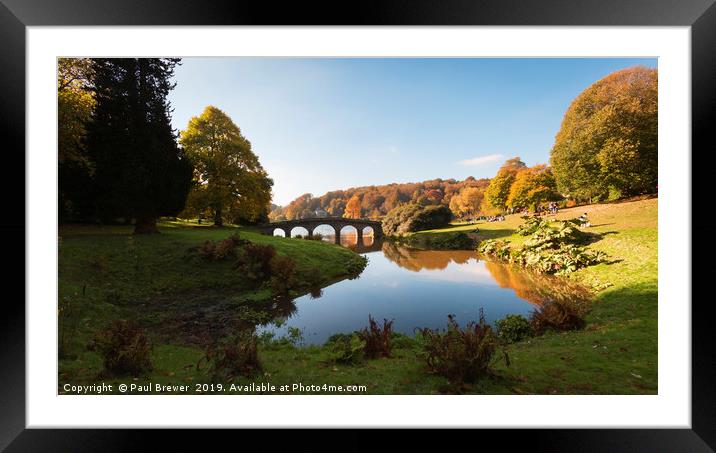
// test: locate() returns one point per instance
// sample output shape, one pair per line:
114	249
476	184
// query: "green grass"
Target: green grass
106	273
615	354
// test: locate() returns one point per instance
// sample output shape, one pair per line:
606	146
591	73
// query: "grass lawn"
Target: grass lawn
106	273
615	354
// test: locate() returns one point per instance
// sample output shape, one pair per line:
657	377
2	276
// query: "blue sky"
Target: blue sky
326	124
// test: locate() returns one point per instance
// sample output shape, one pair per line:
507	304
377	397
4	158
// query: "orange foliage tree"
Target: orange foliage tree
353	208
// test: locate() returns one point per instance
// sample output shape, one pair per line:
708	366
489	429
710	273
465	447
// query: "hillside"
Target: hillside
374	201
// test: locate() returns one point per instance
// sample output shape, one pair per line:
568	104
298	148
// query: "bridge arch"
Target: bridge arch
349	231
279	232
300	230
324	229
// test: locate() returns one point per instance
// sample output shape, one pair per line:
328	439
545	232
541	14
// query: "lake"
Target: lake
419	288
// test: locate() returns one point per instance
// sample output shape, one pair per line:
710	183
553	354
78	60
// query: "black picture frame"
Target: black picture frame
16	15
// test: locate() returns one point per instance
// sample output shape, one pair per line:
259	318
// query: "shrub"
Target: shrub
283	274
415	217
553	234
461	355
551	248
124	348
217	251
345	349
227	247
530	225
236	355
565	259
557	315
513	328
377	339
445	241
499	249
255	261
206	250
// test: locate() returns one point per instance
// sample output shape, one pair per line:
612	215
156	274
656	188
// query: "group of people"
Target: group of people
494	218
549	209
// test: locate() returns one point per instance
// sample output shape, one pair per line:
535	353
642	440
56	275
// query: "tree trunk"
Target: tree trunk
146	225
218	220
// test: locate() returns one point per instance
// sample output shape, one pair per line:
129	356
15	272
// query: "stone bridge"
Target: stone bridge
337	223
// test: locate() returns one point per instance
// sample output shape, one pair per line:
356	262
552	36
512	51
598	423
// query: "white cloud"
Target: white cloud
482	160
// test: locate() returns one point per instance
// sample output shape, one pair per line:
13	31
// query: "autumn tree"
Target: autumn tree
371	201
468	202
302	207
353	208
139	170
229	180
499	189
531	187
75	103
376	201
607	144
412	217
336	207
393	199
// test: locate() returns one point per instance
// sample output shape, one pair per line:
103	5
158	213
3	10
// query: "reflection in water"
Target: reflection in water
536	288
419	288
417	260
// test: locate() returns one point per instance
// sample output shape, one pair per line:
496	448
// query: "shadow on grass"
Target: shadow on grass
493	234
591	238
626	303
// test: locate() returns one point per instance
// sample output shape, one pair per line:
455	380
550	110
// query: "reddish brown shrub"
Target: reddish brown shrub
461	355
124	348
232	357
283	274
377	339
255	262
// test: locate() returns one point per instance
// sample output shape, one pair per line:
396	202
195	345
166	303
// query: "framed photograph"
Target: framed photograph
418	216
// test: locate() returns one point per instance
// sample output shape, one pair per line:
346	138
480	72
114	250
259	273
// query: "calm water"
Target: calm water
419	288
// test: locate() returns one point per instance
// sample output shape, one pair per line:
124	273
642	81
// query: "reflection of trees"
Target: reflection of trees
417	260
536	288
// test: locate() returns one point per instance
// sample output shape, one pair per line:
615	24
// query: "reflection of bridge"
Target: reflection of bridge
337	223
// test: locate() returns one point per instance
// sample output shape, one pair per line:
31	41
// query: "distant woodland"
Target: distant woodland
376	201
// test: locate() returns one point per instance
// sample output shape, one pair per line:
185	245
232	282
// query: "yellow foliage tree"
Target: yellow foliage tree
499	189
229	181
74	108
468	202
531	187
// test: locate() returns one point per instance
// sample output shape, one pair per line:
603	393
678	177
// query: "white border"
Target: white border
670	408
